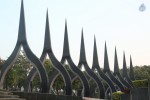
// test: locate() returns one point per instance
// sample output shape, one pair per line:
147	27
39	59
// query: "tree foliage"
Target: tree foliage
140	83
59	83
142	72
17	75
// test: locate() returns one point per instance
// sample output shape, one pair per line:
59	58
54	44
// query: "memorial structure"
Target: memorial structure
114	81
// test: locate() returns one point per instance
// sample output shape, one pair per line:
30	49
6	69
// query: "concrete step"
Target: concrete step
8	96
6	92
12	99
87	98
2	89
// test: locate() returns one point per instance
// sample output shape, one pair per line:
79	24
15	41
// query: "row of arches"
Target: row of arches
92	80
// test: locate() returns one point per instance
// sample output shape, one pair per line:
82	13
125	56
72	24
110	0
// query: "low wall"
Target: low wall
125	97
139	94
45	96
136	94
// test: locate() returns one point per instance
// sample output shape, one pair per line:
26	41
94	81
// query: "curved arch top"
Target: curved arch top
22	41
125	75
90	73
57	65
107	71
73	67
131	70
100	72
117	73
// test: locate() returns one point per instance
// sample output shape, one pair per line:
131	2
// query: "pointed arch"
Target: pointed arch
78	73
131	70
100	72
107	71
125	74
117	73
89	72
22	41
57	65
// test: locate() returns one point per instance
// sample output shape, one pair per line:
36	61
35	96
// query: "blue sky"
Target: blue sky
118	22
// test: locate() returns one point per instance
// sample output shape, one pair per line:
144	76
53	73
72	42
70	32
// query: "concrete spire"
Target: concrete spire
124	66
66	51
131	70
47	42
116	66
82	51
22	28
95	57
22	41
106	62
125	74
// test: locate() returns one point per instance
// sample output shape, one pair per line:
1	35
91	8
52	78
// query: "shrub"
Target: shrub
116	95
140	83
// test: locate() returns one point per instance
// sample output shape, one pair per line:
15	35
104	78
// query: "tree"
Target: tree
49	69
48	66
17	75
140	72
58	83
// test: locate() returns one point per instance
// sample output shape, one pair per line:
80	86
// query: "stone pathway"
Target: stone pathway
6	95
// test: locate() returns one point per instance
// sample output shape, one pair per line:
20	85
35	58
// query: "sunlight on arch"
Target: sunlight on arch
82	68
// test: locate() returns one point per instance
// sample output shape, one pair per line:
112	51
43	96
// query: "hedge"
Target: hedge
140	83
116	95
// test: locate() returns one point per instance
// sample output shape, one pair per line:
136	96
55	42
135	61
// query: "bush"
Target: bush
140	83
116	95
